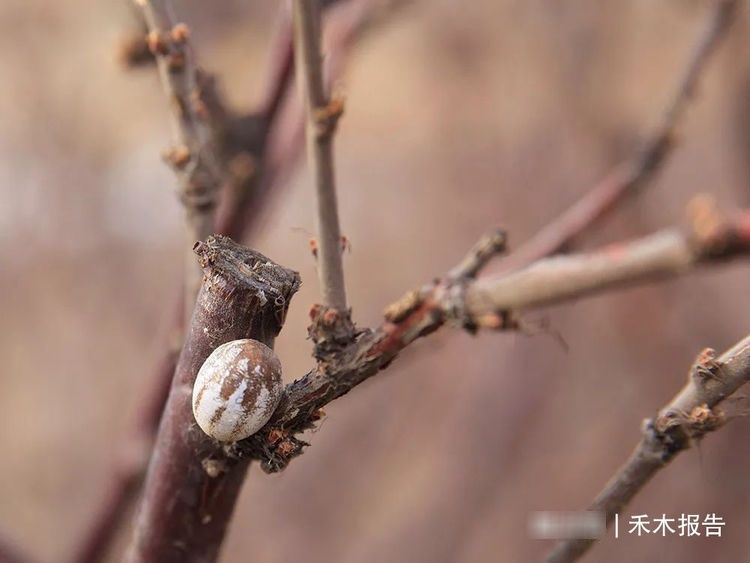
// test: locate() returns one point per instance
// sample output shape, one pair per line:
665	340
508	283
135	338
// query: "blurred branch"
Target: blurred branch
710	237
194	158
491	303
687	418
629	177
135	450
322	117
281	63
190	491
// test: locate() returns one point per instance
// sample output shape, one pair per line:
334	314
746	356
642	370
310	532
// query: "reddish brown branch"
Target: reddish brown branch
630	177
691	414
127	474
489	303
281	64
190	488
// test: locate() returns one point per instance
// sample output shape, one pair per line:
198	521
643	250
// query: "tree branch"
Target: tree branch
322	117
190	488
194	158
134	452
691	414
709	237
490	303
630	177
251	187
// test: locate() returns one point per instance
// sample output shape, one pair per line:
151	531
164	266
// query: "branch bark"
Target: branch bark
194	157
630	177
190	487
489	303
322	116
687	418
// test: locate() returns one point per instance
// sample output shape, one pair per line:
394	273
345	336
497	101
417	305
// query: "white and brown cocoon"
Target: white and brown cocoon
237	389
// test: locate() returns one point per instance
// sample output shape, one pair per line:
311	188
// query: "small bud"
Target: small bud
177	156
156	43
180	33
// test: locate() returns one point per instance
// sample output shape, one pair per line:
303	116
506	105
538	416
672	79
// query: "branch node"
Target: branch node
489	246
214	467
180	33
399	310
326	118
177	157
714	234
157	42
705	368
665	436
176	62
706	222
331	331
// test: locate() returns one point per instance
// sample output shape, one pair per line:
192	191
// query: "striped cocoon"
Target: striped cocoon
237	390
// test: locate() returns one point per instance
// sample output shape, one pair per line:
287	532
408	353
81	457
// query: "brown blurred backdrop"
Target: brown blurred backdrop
460	116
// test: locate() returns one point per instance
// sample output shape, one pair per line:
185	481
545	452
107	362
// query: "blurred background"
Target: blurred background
460	116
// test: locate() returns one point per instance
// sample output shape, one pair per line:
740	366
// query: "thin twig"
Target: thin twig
489	303
194	157
480	254
322	116
691	414
709	235
630	177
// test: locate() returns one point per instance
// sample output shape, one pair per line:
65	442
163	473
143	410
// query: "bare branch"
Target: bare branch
691	414
489	303
194	157
481	253
629	177
190	488
281	63
245	141
322	116
134	452
710	237
252	188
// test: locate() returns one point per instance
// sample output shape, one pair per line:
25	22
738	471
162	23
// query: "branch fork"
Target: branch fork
192	485
347	356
